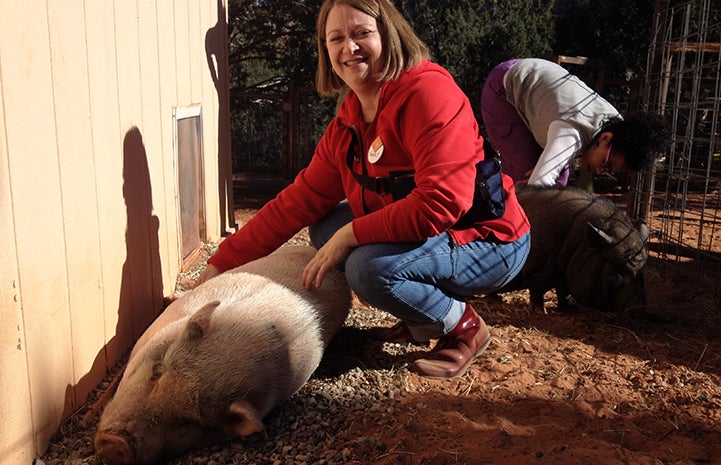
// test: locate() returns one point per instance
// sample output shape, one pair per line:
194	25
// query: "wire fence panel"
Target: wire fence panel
680	198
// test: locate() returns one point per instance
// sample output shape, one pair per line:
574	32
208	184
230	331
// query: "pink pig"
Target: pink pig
219	358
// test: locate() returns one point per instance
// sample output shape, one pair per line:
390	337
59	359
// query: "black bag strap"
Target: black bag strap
398	183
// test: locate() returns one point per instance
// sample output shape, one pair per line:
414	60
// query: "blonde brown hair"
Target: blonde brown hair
402	49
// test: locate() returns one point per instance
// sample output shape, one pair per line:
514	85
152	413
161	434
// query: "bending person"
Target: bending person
539	117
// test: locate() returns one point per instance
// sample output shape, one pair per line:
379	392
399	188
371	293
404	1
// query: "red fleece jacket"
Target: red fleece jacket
424	123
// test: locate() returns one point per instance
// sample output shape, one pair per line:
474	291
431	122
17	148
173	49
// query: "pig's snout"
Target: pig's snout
114	448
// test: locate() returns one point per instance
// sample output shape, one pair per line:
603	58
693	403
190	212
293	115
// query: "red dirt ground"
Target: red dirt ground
569	388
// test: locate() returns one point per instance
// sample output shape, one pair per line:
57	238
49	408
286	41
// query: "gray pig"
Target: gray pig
220	357
584	247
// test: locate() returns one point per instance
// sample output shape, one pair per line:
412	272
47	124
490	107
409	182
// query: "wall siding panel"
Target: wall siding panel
88	192
153	115
195	52
209	73
78	189
167	64
137	294
37	211
182	52
17	424
107	155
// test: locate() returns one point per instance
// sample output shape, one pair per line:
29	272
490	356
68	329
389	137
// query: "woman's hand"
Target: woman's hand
209	272
331	254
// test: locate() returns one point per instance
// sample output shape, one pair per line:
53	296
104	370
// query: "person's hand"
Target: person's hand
209	272
331	254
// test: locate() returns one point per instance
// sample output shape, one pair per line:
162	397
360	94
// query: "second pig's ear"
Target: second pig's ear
200	321
642	228
243	420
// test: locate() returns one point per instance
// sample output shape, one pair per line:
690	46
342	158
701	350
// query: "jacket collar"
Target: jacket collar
350	108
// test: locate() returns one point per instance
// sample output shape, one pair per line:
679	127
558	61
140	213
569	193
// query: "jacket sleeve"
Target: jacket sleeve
562	144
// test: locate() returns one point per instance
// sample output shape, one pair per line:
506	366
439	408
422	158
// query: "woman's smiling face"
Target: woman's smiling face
354	46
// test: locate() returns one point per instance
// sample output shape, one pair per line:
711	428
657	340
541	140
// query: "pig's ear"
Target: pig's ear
243	420
596	238
642	228
198	323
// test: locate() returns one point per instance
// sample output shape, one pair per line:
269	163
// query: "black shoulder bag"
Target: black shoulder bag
489	198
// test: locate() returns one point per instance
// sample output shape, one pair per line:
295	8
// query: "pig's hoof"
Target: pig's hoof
567	304
114	449
539	308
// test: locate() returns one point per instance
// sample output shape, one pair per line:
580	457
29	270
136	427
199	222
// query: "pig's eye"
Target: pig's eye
157	372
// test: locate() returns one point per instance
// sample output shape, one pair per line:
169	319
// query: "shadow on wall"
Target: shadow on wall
216	53
141	288
141	293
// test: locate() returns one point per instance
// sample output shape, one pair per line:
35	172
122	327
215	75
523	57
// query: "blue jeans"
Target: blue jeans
424	283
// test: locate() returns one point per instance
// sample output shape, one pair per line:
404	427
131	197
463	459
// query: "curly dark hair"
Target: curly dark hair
638	137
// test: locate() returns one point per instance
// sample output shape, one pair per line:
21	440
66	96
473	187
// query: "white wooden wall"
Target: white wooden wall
89	240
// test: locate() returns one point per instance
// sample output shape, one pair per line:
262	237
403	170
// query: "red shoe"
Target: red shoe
397	334
455	351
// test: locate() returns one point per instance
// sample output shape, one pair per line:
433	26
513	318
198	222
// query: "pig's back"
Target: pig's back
284	268
558	216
